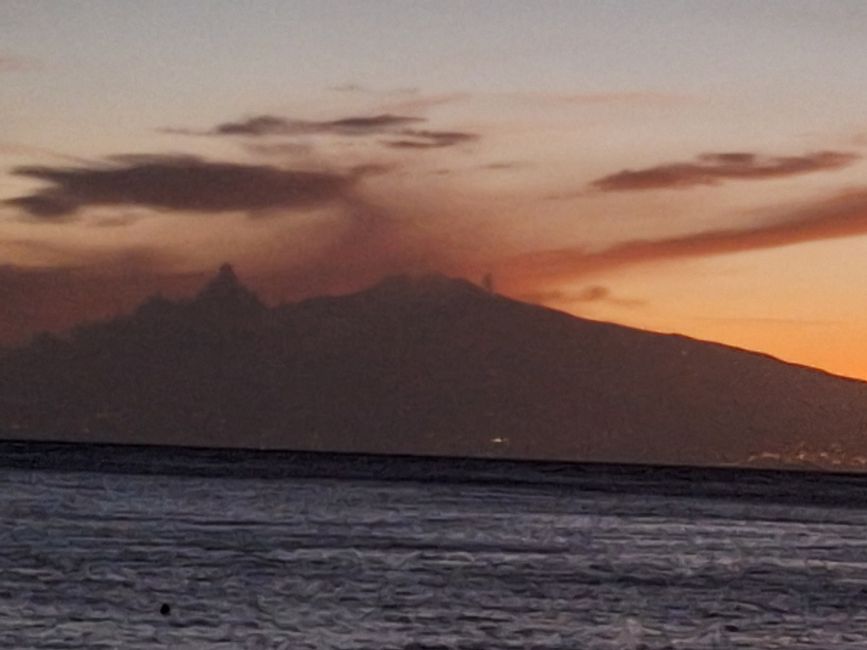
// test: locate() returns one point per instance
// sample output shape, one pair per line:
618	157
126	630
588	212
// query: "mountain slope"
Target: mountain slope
419	365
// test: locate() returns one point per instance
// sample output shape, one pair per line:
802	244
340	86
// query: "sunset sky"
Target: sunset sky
682	167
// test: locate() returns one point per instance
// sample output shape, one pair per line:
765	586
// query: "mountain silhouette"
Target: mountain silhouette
227	297
421	365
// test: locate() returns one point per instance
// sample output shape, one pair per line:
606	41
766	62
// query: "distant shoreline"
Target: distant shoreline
790	486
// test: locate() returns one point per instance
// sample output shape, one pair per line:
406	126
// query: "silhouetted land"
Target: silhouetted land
430	366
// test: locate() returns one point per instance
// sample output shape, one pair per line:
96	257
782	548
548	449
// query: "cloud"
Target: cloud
181	183
413	139
841	216
372	124
714	168
399	126
255	126
272	125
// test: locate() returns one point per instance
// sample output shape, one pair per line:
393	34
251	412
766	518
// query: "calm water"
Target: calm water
88	559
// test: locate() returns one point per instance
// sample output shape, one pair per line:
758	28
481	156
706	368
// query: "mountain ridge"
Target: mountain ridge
421	364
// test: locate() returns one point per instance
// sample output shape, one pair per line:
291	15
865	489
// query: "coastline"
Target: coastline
793	486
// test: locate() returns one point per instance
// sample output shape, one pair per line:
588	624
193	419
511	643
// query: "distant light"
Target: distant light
499	441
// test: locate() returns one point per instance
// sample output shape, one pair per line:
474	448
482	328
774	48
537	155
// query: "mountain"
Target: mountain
423	365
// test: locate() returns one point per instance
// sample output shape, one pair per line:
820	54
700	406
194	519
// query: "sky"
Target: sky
682	167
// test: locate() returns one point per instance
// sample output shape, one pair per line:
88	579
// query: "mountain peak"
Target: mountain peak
424	285
226	292
226	277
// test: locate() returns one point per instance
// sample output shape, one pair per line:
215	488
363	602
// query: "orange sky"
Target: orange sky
706	178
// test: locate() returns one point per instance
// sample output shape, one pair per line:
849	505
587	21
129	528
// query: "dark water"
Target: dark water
87	559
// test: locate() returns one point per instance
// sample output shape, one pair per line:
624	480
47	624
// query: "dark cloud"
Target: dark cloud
422	139
373	124
714	168
177	183
835	218
259	125
272	125
396	125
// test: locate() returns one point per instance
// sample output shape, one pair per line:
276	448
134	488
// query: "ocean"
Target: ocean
251	550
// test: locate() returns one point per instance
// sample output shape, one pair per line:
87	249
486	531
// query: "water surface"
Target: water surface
88	558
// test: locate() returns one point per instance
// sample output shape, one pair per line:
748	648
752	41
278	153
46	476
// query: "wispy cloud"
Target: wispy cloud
714	168
272	125
397	126
414	139
837	217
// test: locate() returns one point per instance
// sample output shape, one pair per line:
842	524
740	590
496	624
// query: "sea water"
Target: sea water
87	560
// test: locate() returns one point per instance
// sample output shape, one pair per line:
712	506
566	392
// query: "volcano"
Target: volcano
422	365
